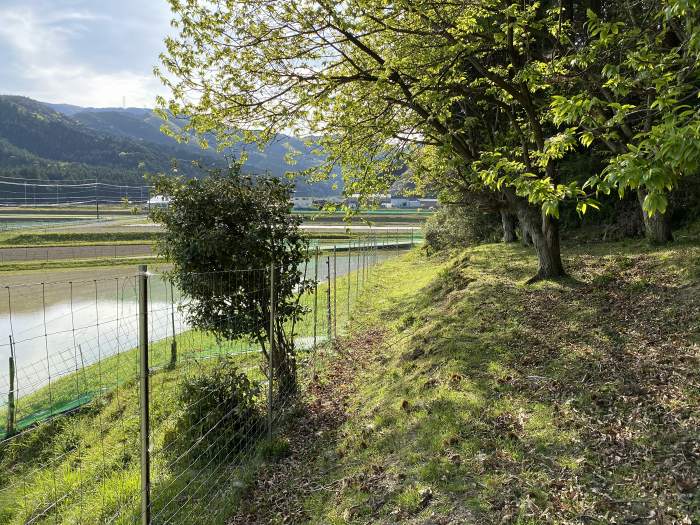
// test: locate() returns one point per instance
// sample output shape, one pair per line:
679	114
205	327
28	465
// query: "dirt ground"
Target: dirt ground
282	486
46	253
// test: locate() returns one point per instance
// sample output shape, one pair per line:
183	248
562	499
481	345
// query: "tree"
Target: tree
221	234
633	90
458	190
380	81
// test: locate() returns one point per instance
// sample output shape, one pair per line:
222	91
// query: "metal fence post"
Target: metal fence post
357	270
144	397
271	370
364	260
173	343
315	296
329	320
375	249
335	293
10	430
349	284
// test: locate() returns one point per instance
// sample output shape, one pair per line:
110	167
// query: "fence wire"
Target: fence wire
71	398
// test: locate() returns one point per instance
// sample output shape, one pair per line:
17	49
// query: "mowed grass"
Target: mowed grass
492	401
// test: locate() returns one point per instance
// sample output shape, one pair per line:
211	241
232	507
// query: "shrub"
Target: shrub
220	414
228	221
460	226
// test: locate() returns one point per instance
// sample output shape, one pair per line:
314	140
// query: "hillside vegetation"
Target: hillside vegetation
479	399
36	138
59	142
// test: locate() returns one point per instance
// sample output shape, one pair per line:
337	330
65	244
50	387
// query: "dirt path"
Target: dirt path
281	488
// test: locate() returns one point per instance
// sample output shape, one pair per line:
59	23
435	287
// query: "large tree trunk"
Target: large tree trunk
657	227
525	235
544	231
508	222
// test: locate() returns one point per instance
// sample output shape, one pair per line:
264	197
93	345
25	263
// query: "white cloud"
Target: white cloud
87	56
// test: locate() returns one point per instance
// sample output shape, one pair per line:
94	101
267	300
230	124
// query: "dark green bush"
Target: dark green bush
221	413
460	226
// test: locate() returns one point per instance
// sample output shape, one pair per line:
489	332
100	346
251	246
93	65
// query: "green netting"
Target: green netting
51	411
65	406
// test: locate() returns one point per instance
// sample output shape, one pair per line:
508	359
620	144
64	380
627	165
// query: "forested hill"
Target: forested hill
63	142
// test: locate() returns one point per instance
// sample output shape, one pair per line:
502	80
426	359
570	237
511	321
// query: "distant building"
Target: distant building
374	200
428	204
320	202
399	202
302	203
412	203
158	201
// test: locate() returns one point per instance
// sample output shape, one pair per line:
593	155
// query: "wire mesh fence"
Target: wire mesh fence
120	404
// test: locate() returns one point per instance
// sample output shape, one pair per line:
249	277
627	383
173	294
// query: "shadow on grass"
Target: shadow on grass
565	401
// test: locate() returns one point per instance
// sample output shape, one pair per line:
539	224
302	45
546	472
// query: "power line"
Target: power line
63	184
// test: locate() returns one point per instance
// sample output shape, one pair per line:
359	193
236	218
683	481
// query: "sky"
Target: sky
82	52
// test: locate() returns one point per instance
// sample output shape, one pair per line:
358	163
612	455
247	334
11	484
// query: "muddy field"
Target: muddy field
46	253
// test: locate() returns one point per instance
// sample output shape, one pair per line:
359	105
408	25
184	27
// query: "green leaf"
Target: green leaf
586	138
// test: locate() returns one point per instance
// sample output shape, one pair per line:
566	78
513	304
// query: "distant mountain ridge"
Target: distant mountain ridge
66	142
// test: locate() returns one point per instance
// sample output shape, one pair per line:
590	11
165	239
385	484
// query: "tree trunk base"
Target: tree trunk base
544	276
657	227
544	233
508	223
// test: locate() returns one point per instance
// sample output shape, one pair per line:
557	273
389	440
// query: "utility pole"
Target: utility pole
347	322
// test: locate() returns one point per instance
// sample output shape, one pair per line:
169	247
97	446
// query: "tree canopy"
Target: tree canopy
500	91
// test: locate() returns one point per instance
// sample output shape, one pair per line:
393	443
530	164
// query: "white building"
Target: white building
428	204
302	203
398	202
158	201
404	202
372	201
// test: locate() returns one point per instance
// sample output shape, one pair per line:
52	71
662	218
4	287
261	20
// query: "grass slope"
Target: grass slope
489	401
83	467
